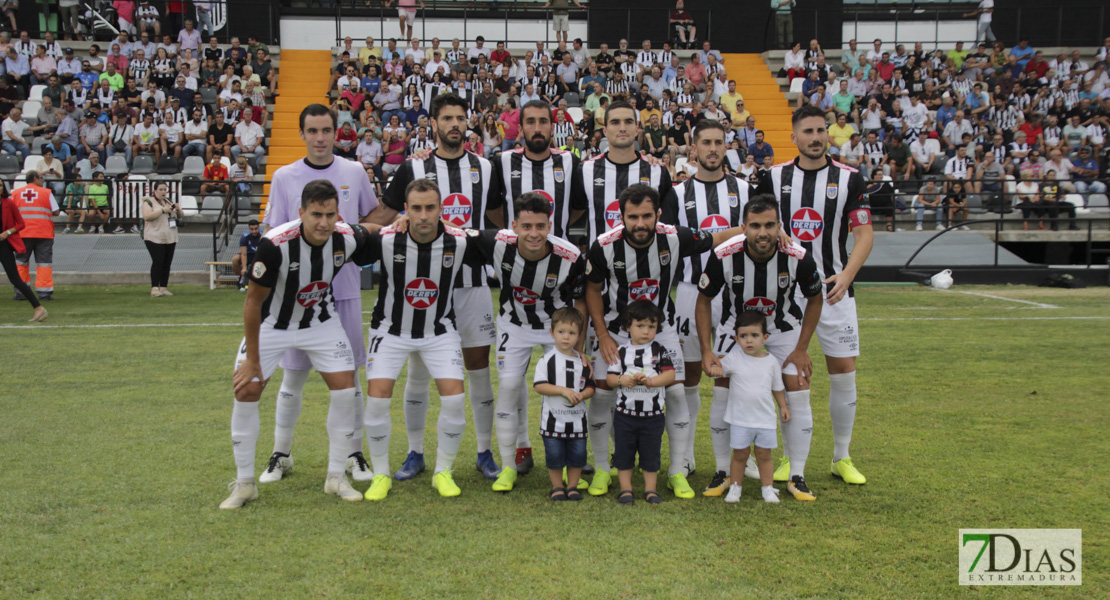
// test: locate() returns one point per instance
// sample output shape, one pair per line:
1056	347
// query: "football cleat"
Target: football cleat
358	467
751	470
680	486
339	485
782	472
486	465
718	485
444	483
797	486
505	481
847	471
241	493
279	466
413	466
379	488
524	461
734	492
582	483
600	484
771	495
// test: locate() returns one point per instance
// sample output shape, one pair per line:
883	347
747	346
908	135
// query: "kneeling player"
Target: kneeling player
290	306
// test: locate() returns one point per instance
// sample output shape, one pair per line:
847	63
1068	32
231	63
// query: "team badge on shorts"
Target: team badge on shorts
784	280
338	259
448	260
551	281
475	175
665	257
831	191
559	176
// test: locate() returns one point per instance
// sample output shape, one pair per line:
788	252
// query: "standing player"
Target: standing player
539	273
289	306
534	167
600	181
414	316
821	202
759	272
356	200
638	260
471	199
711	201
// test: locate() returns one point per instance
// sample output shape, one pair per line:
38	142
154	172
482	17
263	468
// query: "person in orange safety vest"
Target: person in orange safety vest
37	206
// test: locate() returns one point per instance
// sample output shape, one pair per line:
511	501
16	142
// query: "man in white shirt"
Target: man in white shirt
955	130
851	154
875	54
985	12
248	136
924	151
436	64
235	93
13	129
196	135
479	48
415	51
147	139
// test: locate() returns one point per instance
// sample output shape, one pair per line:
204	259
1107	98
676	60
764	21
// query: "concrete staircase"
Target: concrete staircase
764	99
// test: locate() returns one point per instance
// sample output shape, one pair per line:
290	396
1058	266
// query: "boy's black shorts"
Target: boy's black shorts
634	436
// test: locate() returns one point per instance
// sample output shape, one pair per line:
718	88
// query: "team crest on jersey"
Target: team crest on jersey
643	289
645	180
806	224
784	280
713	224
613	214
551	281
421	293
733	200
448	260
339	259
311	294
525	296
559	176
475	175
764	306
457	210
665	257
345	193
831	191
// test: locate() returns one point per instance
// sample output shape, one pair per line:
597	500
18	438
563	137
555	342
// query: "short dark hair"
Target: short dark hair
442	100
806	112
748	318
533	202
252	222
641	310
760	203
314	110
422	185
707	124
569	315
619	104
318	191
635	194
542	104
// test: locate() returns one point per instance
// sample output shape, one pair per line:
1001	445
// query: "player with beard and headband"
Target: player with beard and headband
356	203
822	201
601	181
638	260
471	199
755	272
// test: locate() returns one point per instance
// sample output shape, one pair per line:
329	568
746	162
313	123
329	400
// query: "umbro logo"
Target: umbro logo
516	174
786	189
619	264
737	279
293	266
599	181
507	266
399	258
690	205
431	176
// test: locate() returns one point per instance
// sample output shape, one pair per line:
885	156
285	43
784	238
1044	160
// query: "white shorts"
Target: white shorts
779	345
514	347
838	329
560	22
668	338
350	315
474	316
743	437
686	302
387	354
326	347
407	14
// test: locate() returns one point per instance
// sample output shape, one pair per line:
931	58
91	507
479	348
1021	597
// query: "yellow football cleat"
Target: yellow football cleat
797	486
718	486
847	471
782	472
444	483
379	487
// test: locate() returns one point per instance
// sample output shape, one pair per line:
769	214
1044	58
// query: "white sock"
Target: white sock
341	429
244	438
599	414
356	417
718	430
842	409
522	438
481	406
693	406
379	426
798	431
288	408
678	428
417	397
508	418
452	422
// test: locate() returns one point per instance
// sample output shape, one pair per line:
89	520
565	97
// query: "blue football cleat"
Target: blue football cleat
414	465
487	466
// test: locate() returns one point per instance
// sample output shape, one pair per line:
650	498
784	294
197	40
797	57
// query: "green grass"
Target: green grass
115	454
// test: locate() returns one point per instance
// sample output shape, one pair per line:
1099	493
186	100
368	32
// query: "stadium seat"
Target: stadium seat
603	146
190	184
575	113
194	165
208	95
31	110
796	85
36	93
189	206
679	163
167	165
212	205
244	206
31	162
572	99
37	144
143	164
226	162
9	164
115	165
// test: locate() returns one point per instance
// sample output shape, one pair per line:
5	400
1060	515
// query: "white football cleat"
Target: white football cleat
359	468
771	495
733	493
340	486
241	493
279	465
751	470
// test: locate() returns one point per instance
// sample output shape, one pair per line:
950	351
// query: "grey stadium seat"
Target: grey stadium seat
194	165
572	99
212	205
143	165
115	165
9	164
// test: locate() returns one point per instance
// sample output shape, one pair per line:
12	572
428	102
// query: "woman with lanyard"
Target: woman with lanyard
10	245
161	216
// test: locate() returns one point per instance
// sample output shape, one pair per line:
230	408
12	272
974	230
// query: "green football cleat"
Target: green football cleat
379	487
505	481
444	483
845	470
680	486
782	472
582	483
600	485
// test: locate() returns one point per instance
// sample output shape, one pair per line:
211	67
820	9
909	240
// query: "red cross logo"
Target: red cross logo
28	195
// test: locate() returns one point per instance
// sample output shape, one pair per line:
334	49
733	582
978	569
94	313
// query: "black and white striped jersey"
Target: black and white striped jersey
819	207
764	286
561	132
553	177
299	274
875	152
602	182
651	360
1001	153
558	419
468	188
616	86
1005	119
647	59
710	207
431	90
647	273
417	280
532	290
422	144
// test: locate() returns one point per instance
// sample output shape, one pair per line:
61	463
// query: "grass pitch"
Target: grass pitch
974	411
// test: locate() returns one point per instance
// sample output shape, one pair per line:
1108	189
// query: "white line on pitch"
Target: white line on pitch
987	319
121	325
1036	304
